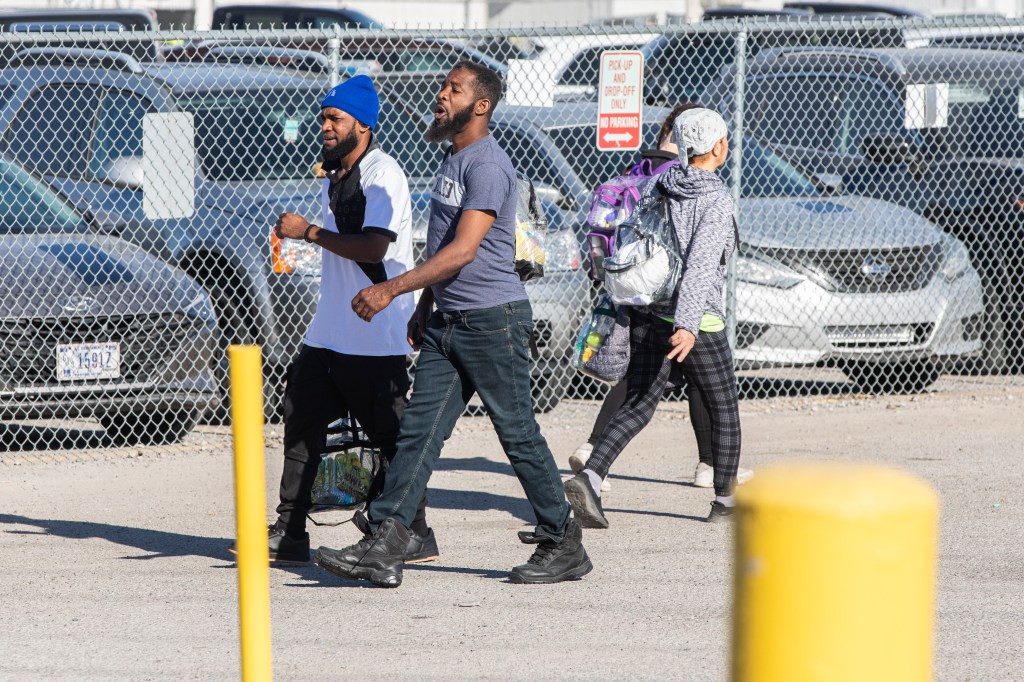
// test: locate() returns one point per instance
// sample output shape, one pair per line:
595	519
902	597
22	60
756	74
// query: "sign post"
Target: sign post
620	101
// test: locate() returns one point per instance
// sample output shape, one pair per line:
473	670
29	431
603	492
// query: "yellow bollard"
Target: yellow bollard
835	575
251	513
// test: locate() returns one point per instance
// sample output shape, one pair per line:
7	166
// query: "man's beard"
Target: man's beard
342	149
443	131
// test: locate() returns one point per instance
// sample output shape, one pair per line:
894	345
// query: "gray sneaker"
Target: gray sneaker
586	505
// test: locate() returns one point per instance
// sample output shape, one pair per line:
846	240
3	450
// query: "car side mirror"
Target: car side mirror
106	222
886	149
833	182
123	171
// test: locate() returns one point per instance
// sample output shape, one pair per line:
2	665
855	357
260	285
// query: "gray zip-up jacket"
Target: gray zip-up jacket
701	211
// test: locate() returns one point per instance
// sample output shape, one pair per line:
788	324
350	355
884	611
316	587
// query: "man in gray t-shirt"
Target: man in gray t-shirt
478	178
477	341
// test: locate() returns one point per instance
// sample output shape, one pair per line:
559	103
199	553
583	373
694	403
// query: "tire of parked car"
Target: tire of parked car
160	427
912	376
233	326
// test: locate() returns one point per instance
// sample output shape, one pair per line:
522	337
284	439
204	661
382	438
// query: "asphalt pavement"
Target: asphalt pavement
113	563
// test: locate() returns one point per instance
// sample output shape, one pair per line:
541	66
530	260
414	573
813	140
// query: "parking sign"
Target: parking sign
620	99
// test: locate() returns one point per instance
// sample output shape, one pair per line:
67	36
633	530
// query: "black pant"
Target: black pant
322	387
700	420
708	366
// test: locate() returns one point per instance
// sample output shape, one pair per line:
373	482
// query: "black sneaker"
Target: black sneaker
377	558
283	548
553	562
421	549
586	505
720	513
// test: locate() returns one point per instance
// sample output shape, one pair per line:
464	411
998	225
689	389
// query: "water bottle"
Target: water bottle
601	323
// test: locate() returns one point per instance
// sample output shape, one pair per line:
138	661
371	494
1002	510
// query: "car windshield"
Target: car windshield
983	121
257	135
30	207
768	175
765	174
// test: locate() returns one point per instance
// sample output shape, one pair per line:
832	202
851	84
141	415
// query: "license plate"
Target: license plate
77	361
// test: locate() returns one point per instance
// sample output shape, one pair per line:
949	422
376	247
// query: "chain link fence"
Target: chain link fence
878	168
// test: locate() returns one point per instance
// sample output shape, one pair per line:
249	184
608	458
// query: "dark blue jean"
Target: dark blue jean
485	352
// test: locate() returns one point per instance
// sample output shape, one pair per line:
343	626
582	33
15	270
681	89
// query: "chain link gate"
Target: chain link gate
877	167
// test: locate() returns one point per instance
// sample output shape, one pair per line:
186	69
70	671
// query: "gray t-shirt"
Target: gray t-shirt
480	177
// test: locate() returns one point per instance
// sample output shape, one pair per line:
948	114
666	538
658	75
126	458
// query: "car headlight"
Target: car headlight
294	256
955	258
765	272
563	252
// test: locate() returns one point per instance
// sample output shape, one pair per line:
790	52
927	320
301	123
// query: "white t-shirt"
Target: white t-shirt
388	211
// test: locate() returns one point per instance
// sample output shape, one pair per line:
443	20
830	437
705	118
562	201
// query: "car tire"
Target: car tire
229	320
892	377
149	427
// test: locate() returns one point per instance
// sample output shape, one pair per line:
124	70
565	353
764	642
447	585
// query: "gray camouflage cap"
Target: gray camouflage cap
696	131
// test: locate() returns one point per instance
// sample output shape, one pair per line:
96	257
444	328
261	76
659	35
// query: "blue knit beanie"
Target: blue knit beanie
357	97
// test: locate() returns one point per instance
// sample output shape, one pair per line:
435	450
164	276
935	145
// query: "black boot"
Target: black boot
421	549
553	562
283	547
377	558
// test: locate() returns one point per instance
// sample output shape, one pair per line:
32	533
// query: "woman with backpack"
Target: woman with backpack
683	340
652	162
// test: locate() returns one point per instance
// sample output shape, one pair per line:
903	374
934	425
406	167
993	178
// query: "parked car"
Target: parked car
389	55
234	17
256	137
94	325
680	66
821	278
852	9
861	119
75	21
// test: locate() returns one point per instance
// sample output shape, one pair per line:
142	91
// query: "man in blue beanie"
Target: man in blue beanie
344	365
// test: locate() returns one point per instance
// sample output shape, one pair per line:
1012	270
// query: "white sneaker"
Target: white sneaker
704	476
578	462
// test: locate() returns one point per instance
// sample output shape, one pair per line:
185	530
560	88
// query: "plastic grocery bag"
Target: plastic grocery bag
531	230
347	468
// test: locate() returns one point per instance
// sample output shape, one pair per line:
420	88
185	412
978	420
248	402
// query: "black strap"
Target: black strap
736	231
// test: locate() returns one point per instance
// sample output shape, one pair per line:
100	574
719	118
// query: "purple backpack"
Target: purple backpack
611	204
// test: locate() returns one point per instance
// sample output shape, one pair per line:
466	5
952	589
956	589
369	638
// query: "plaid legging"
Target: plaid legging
708	366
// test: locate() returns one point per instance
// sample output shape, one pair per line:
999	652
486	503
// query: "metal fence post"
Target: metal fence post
334	55
736	145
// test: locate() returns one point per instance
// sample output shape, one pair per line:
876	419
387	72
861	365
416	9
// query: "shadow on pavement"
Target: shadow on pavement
24	437
157	544
669	515
476	500
481	464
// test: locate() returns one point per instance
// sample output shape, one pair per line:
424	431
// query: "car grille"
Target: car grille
879	336
872	271
30	345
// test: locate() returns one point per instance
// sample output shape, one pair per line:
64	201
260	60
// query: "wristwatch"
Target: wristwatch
305	235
